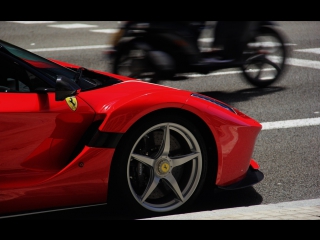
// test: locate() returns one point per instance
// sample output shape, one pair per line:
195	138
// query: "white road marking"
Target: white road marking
309	50
208	40
298	62
72	26
303	63
289	61
212	74
68	48
290	123
104	30
32	22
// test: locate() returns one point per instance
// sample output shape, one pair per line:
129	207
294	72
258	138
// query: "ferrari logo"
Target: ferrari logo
164	167
72	103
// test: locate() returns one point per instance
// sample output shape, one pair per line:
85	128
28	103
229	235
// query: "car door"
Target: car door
37	133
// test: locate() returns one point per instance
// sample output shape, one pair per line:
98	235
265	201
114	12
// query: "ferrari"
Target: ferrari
77	137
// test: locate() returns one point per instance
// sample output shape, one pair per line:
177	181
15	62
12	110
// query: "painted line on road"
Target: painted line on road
309	50
290	61
68	48
32	22
209	40
105	30
290	123
73	25
303	63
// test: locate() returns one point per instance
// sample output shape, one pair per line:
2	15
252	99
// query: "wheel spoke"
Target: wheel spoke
144	159
149	189
184	159
273	64
172	183
166	140
259	65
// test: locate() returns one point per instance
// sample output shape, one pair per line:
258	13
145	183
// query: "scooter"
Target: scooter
155	51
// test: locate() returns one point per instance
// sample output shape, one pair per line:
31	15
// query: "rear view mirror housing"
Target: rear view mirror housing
66	87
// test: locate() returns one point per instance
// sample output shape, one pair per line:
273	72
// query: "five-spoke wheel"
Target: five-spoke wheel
161	164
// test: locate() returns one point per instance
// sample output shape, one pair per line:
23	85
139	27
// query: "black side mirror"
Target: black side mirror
66	87
4	89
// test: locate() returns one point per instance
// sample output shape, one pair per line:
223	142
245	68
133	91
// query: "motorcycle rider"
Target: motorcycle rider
159	50
231	37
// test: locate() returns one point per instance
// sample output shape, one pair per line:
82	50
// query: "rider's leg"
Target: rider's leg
232	36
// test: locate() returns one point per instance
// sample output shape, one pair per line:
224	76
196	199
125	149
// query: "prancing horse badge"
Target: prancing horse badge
72	103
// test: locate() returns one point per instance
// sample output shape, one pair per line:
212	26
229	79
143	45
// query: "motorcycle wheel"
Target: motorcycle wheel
264	57
139	60
160	166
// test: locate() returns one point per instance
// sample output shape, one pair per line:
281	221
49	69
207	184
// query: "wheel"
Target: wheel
132	61
159	167
265	58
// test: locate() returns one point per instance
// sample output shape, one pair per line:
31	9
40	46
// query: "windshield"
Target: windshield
85	78
48	68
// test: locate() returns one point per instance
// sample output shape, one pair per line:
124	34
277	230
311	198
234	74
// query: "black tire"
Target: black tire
152	174
265	57
132	61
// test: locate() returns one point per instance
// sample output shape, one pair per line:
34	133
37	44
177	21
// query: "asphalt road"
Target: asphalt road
288	155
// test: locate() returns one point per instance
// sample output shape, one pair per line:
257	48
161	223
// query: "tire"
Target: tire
152	173
132	61
265	57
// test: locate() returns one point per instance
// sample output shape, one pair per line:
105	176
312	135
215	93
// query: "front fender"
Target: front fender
125	103
123	114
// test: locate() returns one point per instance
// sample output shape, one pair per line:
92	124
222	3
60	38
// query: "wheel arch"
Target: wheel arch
205	131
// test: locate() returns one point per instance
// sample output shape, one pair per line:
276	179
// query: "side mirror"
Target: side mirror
66	87
4	89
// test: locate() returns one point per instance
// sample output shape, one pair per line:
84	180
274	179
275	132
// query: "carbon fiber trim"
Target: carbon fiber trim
105	139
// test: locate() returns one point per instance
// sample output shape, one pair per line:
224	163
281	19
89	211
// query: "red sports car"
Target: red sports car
73	137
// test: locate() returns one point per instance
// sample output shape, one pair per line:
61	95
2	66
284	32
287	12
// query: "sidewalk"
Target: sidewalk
296	210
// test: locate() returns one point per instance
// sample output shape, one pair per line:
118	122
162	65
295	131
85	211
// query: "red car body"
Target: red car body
39	134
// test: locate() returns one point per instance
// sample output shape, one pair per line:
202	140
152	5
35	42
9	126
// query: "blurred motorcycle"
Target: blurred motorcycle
154	51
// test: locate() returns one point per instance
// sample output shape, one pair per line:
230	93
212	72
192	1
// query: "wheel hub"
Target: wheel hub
162	167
